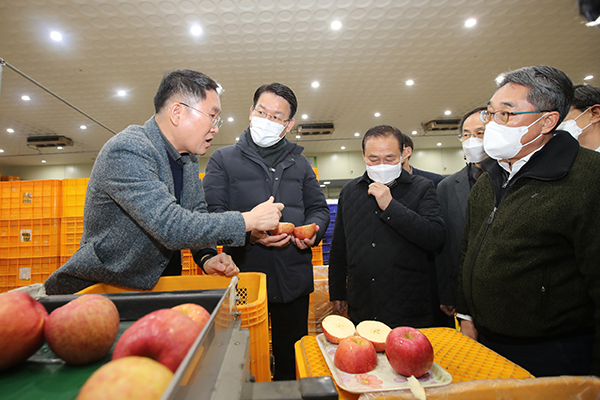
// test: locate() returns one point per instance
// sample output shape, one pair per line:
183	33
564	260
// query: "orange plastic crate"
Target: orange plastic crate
317	255
252	305
17	272
73	196
30	199
29	238
71	229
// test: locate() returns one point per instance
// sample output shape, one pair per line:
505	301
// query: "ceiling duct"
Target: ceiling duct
437	125
316	129
40	142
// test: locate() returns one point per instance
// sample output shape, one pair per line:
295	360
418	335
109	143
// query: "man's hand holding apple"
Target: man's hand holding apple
265	239
221	264
306	243
264	216
381	193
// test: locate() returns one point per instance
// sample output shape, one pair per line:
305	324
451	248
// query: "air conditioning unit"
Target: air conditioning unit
316	129
40	142
441	125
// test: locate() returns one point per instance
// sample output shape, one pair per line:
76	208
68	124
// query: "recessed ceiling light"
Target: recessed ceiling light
230	119
587	78
237	139
298	136
357	134
414	132
196	30
447	112
471	22
336	25
56	36
326	183
304	116
1	151
43	161
410	82
439	144
377	114
83	127
343	147
315	84
59	148
10	130
122	93
25	98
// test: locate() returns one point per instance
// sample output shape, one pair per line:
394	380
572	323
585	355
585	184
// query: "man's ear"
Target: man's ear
174	113
595	114
290	125
407	152
550	122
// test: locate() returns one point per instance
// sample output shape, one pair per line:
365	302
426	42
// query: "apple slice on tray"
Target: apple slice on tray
375	332
336	328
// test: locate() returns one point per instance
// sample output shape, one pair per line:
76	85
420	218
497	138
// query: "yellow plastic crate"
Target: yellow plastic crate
252	291
71	229
73	196
29	238
30	199
17	272
189	266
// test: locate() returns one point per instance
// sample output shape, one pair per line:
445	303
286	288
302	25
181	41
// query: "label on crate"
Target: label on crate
25	235
26	198
25	274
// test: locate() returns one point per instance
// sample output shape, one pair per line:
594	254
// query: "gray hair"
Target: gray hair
549	88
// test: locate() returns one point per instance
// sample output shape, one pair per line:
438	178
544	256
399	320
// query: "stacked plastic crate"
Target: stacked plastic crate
329	233
30	216
71	226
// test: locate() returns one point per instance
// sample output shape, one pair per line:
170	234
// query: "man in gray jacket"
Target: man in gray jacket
144	201
262	164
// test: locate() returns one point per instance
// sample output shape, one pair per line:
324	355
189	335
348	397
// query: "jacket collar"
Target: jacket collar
552	162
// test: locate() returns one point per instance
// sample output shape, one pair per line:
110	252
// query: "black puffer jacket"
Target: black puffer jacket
383	255
237	178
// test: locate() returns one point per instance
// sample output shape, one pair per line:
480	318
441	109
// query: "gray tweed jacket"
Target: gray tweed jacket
132	222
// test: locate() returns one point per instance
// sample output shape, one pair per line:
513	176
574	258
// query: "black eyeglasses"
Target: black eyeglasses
216	121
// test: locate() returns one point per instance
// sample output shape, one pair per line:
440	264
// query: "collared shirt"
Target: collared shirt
517	165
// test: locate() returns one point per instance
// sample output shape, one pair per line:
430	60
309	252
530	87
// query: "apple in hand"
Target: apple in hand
409	351
128	378
83	330
305	231
375	332
283	227
164	335
196	312
355	355
336	328
22	322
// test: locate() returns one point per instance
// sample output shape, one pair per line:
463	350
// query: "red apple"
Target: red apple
83	330
305	231
196	312
128	378
283	227
355	355
164	335
336	328
409	351
375	332
21	328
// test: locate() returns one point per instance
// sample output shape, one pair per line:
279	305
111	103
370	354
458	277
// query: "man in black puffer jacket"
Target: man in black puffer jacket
387	221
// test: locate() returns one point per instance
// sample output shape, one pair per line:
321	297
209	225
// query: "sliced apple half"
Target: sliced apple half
375	332
336	328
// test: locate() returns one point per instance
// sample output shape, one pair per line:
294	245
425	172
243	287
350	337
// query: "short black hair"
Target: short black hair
190	85
467	115
586	96
384	131
549	88
281	91
589	9
408	142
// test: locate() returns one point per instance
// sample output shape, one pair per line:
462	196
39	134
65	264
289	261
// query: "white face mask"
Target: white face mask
502	142
572	127
473	148
384	173
265	133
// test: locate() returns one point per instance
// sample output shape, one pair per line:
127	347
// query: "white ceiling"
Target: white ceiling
362	68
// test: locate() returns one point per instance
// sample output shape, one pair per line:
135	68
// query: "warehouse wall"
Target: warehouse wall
342	165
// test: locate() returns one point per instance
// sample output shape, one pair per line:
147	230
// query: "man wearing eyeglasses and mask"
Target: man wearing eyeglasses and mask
529	284
264	163
144	200
583	120
453	194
